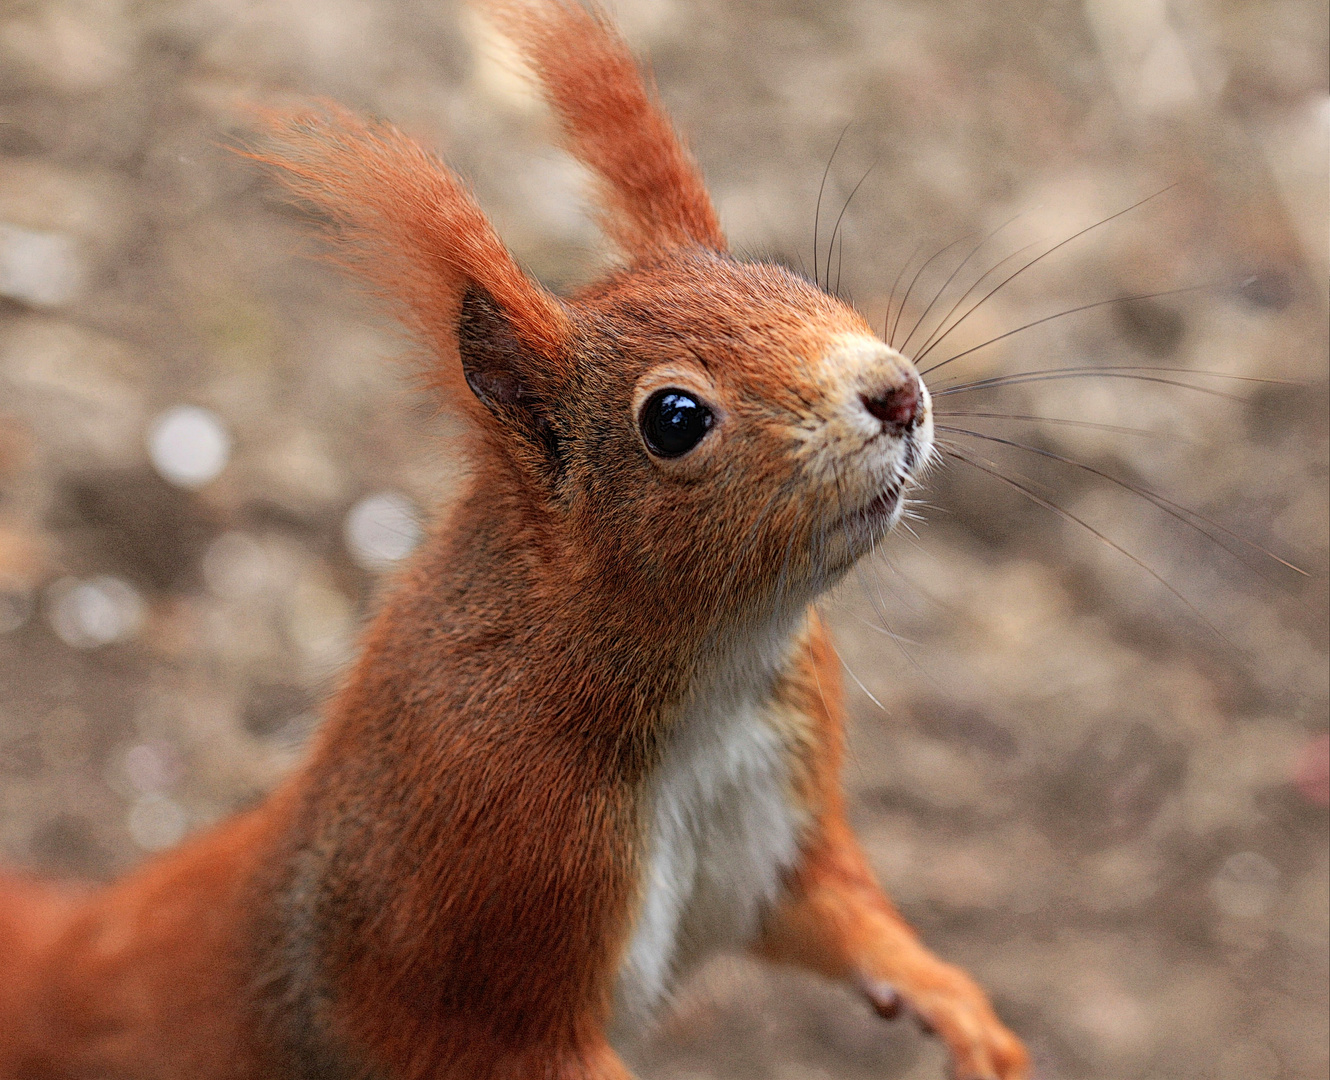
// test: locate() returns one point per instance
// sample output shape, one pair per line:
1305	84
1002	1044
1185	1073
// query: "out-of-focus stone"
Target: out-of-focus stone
157	822
93	208
320	621
1122	878
1297	151
73	46
79	392
236	567
153	767
43	269
1108	1018
301	473
1246	885
1144	54
100	611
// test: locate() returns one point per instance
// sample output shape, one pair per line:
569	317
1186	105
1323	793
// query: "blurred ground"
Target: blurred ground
1105	803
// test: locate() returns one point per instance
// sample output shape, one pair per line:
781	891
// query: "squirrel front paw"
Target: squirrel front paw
951	1006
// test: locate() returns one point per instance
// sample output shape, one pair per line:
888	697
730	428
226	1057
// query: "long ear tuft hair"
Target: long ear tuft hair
650	188
405	224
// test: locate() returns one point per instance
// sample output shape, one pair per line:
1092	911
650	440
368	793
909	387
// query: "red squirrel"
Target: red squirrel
594	734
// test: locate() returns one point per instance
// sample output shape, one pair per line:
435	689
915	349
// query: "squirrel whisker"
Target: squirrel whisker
1184	514
991	468
1116	429
952	277
1038	258
1063	314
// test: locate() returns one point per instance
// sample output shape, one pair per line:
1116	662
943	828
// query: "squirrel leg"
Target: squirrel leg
834	918
836	921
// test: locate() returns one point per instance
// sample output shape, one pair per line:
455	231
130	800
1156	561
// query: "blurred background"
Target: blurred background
1098	784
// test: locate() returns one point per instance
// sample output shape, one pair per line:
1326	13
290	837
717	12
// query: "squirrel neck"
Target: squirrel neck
581	641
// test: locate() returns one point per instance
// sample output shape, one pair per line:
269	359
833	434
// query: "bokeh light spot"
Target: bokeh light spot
381	529
189	446
99	611
156	822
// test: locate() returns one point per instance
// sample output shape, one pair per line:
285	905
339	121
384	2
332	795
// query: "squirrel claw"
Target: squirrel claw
956	1011
884	998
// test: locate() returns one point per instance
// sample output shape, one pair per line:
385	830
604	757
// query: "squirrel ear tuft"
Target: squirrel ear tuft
651	191
403	223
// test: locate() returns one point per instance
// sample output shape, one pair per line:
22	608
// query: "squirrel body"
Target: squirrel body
595	731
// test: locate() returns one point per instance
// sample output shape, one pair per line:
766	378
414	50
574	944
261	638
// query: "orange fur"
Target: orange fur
446	888
651	192
32	915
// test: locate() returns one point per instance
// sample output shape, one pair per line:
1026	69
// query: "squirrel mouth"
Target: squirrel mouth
880	510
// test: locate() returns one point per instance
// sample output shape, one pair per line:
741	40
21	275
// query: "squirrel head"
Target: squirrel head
736	427
718	430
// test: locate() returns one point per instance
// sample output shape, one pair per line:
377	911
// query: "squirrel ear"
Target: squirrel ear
508	377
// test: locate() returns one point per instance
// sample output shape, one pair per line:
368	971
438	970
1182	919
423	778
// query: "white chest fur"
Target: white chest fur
723	828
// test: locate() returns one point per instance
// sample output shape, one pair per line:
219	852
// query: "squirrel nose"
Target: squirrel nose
899	407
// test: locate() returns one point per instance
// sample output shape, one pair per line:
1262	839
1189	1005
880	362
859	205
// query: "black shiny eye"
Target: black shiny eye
673	422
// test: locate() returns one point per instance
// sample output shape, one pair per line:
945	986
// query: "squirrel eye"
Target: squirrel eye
673	422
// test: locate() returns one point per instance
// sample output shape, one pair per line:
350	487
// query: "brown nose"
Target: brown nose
900	407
